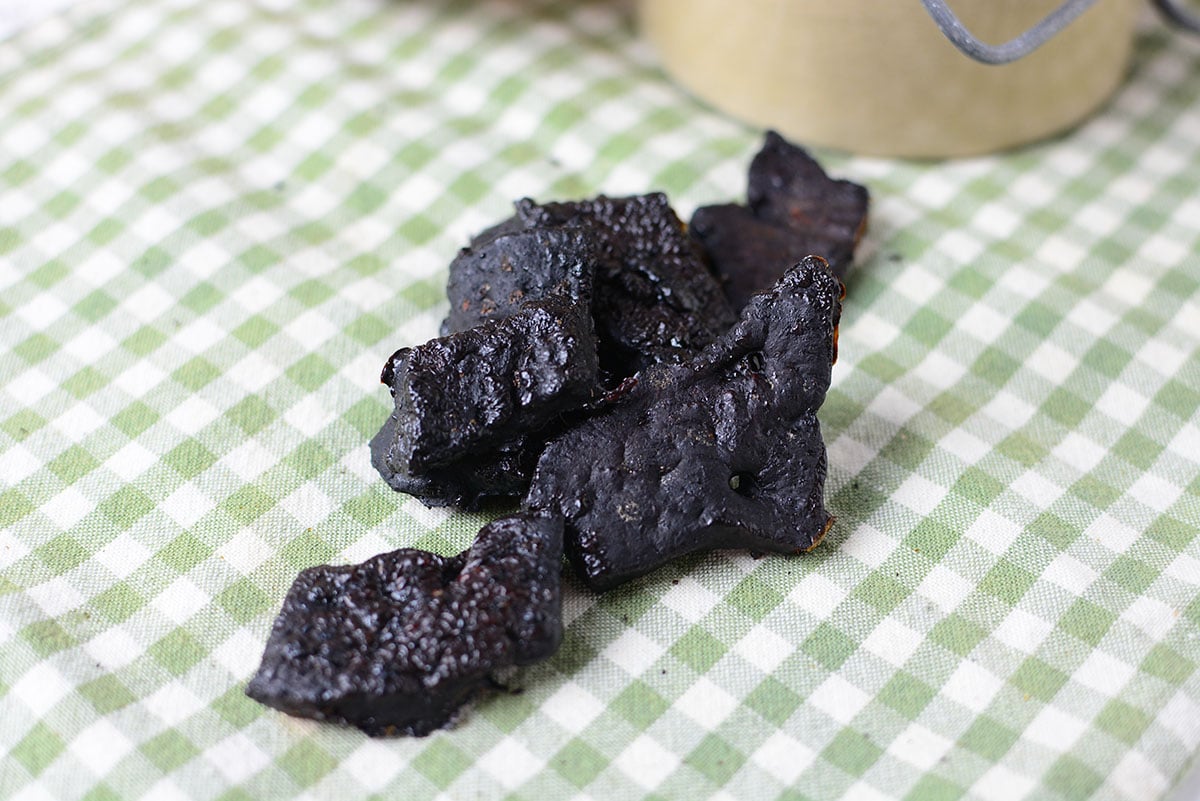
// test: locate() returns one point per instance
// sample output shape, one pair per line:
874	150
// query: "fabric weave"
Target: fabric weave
218	219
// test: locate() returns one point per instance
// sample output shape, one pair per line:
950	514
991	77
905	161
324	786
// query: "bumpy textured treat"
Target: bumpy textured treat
397	644
794	210
453	441
655	298
722	452
474	391
502	270
497	474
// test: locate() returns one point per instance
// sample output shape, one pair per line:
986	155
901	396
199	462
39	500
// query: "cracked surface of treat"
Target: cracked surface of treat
397	644
722	452
655	298
794	210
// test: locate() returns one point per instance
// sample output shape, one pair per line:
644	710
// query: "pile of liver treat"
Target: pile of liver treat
645	389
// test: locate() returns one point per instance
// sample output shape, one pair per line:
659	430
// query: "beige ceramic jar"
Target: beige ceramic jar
878	76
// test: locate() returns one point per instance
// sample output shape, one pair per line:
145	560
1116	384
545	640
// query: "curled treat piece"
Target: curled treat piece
476	390
794	210
397	644
721	452
655	298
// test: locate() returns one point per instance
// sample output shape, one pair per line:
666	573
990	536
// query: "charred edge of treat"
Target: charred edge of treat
387	376
837	319
817	540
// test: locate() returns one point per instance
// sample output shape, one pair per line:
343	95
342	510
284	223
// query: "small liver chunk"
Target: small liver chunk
469	404
397	644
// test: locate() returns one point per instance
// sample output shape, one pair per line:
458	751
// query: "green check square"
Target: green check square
441	762
178	651
773	700
37	749
169	750
126	506
579	763
906	694
716	759
107	694
932	787
306	762
639	704
1071	778
852	751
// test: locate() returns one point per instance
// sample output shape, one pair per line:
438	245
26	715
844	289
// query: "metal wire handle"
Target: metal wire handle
1039	34
1176	13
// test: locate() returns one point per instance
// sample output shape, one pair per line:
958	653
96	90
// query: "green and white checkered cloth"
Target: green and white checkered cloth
218	219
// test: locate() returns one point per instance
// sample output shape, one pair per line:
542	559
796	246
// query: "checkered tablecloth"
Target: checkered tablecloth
217	220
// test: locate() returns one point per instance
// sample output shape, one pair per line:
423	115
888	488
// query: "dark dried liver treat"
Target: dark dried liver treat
812	214
502	270
655	299
497	474
789	188
397	644
746	252
722	452
473	391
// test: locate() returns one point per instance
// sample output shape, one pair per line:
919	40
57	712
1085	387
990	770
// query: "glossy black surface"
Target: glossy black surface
397	644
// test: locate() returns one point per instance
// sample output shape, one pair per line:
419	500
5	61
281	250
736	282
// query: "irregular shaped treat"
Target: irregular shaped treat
472	391
397	644
502	270
721	452
748	254
788	187
497	474
655	299
794	210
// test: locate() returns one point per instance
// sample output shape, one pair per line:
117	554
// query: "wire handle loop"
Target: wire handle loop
1039	34
1178	15
1013	49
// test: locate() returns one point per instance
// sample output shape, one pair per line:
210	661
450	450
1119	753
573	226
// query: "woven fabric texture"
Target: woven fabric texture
219	218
